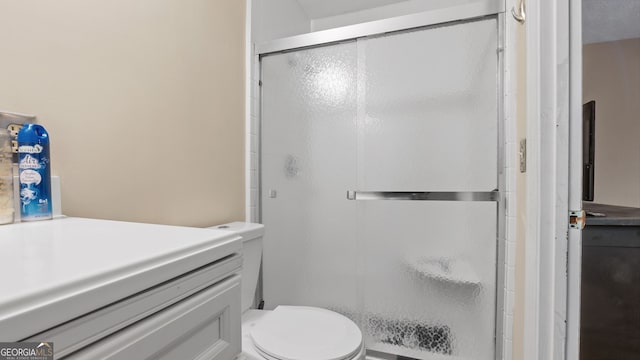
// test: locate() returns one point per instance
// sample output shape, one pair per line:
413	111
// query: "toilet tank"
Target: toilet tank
251	257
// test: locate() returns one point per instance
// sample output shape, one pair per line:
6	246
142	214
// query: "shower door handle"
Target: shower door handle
493	195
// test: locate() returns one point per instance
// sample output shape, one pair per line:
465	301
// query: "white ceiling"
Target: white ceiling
316	9
609	20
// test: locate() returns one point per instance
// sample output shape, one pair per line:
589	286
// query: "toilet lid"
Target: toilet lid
300	332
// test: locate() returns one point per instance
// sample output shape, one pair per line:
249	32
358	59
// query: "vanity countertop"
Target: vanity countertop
52	271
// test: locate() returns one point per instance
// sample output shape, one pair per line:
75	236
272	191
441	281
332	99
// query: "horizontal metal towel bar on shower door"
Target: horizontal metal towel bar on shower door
493	195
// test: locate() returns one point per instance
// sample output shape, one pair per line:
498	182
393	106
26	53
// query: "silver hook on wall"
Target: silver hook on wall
520	15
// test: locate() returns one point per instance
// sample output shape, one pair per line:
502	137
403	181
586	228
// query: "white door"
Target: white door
554	180
574	248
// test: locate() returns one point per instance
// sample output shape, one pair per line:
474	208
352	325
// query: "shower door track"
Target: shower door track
401	24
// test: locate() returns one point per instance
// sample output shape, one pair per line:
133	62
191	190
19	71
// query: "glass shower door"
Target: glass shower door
379	178
308	162
427	175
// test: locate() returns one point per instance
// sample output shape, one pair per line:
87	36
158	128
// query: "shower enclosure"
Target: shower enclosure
381	186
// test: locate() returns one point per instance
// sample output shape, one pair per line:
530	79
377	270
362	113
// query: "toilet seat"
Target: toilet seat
309	333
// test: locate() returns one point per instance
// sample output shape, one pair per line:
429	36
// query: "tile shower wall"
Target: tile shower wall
254	140
512	168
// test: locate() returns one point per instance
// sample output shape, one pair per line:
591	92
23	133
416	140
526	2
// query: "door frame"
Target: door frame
554	179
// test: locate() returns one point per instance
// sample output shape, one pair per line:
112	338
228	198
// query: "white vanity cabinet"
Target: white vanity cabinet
201	326
113	290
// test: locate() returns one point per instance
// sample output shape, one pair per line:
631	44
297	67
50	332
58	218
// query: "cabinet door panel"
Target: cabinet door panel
79	333
204	326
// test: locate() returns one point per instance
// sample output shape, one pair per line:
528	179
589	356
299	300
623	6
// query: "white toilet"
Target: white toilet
289	332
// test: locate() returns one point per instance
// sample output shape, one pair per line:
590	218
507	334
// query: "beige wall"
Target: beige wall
612	78
143	99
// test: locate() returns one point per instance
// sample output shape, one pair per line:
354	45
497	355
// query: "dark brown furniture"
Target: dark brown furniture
610	313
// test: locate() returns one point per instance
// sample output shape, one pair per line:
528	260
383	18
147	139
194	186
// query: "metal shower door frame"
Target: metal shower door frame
399	25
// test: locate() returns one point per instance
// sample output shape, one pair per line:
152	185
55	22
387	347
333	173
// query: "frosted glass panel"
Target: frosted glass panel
308	163
429	277
429	104
429	123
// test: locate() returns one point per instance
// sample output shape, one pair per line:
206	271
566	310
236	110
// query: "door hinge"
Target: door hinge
523	155
577	219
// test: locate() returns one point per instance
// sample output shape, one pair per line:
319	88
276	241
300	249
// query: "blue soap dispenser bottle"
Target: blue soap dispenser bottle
34	166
